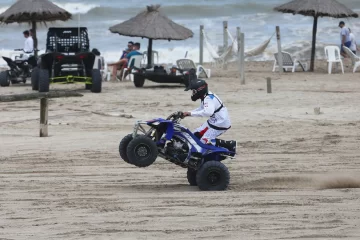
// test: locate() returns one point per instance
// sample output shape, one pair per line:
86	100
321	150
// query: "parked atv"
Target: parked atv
168	139
19	69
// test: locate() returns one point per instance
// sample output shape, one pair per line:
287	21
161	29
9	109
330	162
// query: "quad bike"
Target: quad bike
168	139
20	69
67	60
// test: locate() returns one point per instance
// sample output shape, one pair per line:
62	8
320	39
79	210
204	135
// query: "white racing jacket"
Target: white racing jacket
214	108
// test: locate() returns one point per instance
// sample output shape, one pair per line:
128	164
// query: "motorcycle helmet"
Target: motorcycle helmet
199	89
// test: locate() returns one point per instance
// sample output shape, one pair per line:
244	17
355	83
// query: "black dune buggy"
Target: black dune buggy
67	60
19	69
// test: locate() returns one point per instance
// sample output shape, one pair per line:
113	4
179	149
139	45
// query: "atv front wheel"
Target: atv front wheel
4	79
142	151
44	80
123	146
213	176
96	81
191	176
35	79
139	81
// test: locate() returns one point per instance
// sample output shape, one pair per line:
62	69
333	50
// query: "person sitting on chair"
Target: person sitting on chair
122	63
129	49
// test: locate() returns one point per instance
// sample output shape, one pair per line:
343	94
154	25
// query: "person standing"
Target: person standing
29	43
353	46
344	38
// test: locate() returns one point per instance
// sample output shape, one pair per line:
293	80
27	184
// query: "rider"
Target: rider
211	106
29	42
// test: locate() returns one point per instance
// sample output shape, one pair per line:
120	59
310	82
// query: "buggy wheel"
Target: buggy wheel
123	146
96	81
35	79
142	151
44	80
213	176
88	86
4	79
139	81
191	176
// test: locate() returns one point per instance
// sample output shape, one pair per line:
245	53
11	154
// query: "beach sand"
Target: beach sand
296	175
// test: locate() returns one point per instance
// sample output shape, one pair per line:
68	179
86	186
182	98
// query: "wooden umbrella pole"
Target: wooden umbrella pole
34	37
313	48
149	54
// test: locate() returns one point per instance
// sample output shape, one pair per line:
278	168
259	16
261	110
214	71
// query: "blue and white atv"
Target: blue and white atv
168	139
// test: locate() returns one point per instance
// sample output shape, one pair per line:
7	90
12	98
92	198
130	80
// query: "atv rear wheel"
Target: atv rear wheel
96	81
123	146
191	176
142	151
4	79
139	81
213	176
35	79
44	80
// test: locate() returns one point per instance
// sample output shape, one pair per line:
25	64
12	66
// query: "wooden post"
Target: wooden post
238	38
225	26
201	60
313	45
37	95
242	53
150	57
44	107
268	85
34	38
280	59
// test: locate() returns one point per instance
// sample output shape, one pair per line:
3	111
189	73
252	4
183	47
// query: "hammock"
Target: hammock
218	59
259	50
253	52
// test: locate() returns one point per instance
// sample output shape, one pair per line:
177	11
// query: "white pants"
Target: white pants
208	134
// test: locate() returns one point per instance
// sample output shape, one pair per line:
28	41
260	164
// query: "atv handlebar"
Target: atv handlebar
176	116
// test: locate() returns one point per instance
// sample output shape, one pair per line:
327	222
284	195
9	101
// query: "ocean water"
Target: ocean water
255	18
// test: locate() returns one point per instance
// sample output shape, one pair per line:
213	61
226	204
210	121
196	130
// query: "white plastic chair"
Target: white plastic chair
153	57
187	64
354	59
288	62
332	54
137	63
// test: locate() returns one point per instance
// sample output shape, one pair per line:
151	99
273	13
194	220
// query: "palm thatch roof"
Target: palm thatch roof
34	11
152	24
319	8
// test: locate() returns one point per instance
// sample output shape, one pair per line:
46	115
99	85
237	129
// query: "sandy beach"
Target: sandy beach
296	175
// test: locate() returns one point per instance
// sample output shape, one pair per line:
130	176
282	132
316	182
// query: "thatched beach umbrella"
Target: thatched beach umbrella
316	9
152	24
33	11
